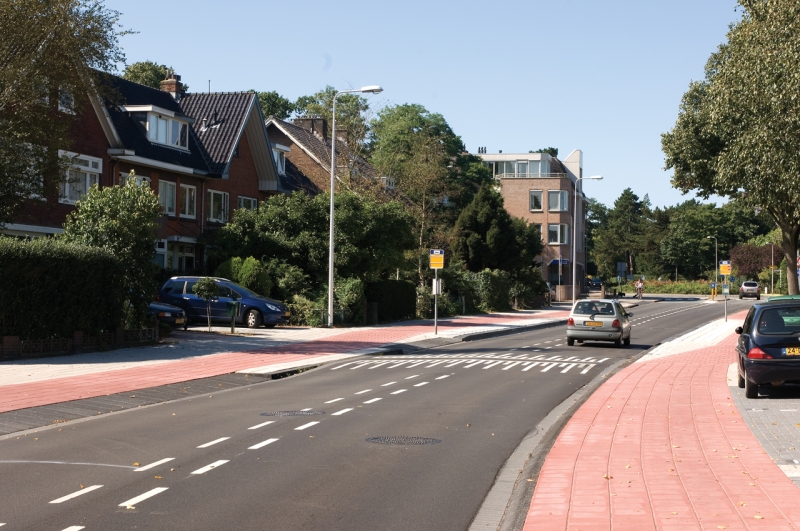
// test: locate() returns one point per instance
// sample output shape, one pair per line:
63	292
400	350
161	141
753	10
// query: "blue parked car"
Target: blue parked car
255	310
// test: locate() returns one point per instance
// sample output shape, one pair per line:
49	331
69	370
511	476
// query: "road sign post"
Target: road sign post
436	263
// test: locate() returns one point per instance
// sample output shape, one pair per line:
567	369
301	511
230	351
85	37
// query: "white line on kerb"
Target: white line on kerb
373	400
334	400
441	377
260	425
262	444
399	391
362	392
142	497
206	445
153	465
212	466
304	426
390	383
76	494
342	412
420	384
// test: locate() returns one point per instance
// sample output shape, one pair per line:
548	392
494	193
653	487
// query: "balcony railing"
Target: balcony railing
531	176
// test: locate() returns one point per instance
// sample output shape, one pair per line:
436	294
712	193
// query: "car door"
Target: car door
219	307
743	343
194	306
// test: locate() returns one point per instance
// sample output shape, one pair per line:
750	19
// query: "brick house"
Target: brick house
203	154
541	189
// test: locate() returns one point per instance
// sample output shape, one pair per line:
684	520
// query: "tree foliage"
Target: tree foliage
273	104
206	289
749	260
737	130
122	220
147	73
50	53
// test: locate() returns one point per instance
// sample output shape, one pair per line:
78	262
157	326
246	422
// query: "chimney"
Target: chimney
318	126
173	85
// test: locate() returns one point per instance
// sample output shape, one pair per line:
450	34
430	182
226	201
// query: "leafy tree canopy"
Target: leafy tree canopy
148	73
351	109
273	104
553	152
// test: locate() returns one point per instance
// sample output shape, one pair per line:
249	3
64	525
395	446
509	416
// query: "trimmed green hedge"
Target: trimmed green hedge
397	299
52	289
694	287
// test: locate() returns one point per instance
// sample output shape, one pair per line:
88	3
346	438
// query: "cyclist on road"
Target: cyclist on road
639	288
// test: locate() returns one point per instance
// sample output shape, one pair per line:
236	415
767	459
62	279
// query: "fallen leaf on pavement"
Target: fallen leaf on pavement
158	477
130	507
742	504
136	464
606	476
627	466
758	517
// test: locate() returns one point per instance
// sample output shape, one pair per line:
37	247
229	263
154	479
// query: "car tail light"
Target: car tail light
759	289
758	354
570	322
741	288
615	324
158	298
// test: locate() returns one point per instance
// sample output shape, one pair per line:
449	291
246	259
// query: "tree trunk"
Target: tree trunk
208	314
789	245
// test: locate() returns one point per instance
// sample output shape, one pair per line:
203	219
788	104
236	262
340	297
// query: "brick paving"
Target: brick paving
85	381
662	445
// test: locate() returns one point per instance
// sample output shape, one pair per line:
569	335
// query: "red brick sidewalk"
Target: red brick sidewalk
661	445
57	390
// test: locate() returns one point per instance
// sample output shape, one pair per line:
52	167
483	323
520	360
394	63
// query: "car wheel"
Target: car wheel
740	297
618	343
253	319
741	380
570	341
758	298
185	324
627	341
750	388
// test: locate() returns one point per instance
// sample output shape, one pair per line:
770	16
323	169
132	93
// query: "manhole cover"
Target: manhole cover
399	439
291	413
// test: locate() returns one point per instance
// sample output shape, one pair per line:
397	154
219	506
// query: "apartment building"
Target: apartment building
541	189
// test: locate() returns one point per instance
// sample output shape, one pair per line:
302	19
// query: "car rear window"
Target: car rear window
750	284
594	308
175	287
779	321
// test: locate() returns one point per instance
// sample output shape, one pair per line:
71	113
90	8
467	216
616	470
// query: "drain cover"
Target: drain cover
399	439
291	413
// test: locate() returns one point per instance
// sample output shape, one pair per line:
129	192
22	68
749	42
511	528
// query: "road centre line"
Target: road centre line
304	426
443	376
210	467
206	445
142	497
399	391
390	383
373	400
331	401
420	384
341	412
362	392
587	369
569	366
153	465
76	494
262	444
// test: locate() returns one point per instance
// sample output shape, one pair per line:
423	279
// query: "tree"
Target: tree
553	152
685	243
750	260
147	73
351	121
619	240
737	130
206	289
122	219
273	104
487	237
52	55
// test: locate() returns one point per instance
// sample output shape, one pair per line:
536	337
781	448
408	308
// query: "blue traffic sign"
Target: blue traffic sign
733	278
713	285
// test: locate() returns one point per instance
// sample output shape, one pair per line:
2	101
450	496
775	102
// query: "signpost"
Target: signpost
724	267
436	263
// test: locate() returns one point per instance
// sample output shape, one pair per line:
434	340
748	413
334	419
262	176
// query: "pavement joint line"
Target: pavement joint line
208	468
141	497
77	493
153	465
212	443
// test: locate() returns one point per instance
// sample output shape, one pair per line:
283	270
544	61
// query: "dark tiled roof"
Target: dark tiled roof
224	115
133	135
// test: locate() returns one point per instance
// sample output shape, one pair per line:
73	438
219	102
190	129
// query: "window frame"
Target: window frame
224	197
182	201
563	233
279	156
91	170
163	198
530	201
171	123
563	201
254	203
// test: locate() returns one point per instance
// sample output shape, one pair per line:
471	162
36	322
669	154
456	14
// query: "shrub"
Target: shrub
305	312
492	290
229	269
255	277
396	299
51	288
349	295
665	286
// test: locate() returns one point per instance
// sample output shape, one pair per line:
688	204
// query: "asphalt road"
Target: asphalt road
240	459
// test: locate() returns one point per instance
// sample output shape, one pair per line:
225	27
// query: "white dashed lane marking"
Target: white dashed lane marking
399	391
208	468
153	465
420	384
70	528
266	423
390	383
76	494
304	426
141	497
364	391
442	377
341	412
373	400
212	443
334	400
262	444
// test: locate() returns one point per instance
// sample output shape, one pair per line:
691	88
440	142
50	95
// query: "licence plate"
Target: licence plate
792	351
592	323
179	320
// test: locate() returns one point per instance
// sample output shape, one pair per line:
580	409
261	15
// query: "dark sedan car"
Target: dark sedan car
167	314
768	350
255	310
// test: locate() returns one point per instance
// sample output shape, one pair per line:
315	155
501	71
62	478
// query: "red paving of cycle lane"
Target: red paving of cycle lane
19	396
661	445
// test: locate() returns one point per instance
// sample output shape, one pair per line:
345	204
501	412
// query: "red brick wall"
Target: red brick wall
310	168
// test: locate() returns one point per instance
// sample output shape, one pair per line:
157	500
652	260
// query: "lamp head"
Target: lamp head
372	89
596	177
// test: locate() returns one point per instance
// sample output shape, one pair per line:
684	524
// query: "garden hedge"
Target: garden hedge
397	299
52	289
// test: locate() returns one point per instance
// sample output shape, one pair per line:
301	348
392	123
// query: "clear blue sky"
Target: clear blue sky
603	76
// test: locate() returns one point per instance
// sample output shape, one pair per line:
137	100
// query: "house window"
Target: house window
538	228
167	131
247	202
558	201
188	201
536	200
81	176
522	168
558	234
160	257
533	168
166	197
217	206
140	180
180	257
505	169
280	160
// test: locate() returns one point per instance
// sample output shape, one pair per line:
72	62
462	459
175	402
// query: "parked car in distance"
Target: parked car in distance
254	311
597	282
750	288
768	349
167	314
599	320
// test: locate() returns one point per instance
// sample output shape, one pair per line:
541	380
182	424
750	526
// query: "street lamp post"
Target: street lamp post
772	268
716	261
575	233
371	89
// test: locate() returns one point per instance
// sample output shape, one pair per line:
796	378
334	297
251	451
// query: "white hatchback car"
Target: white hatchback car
599	320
